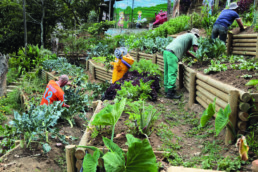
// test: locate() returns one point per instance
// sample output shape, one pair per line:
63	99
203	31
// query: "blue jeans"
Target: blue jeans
221	31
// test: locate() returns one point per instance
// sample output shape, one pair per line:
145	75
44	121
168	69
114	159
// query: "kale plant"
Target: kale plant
215	67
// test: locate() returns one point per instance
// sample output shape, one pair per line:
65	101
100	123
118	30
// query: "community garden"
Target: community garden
129	125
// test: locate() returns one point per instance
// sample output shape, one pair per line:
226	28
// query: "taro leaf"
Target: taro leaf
110	114
222	119
140	156
131	139
46	148
90	163
113	162
113	147
252	82
208	113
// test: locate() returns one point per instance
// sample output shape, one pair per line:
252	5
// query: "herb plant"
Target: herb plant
215	66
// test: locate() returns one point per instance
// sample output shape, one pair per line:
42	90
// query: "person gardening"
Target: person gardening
54	92
173	53
225	19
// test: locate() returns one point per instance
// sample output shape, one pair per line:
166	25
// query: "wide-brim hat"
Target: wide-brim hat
233	6
195	31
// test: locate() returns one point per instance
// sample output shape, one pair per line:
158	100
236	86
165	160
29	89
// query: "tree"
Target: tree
3	73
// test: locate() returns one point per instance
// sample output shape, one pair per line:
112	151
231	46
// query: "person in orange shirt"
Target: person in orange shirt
54	92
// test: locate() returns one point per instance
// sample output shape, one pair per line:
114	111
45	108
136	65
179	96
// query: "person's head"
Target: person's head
233	6
195	32
63	80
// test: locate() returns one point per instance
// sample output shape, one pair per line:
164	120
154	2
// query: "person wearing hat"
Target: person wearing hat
54	92
172	54
225	19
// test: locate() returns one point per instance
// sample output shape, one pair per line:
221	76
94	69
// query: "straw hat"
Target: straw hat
233	6
195	31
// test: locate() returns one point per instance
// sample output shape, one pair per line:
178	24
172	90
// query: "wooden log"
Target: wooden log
244	49
104	78
154	58
186	73
244	36
243	116
254	97
145	55
109	75
187	79
244	96
208	100
244	107
233	102
78	165
192	89
213	90
181	75
256	55
80	152
241	125
205	104
244	53
255	107
245	40
189	70
210	96
87	65
186	84
70	161
244	44
229	43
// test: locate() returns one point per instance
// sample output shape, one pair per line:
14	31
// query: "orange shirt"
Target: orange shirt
52	93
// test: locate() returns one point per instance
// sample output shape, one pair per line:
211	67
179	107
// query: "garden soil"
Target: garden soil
230	76
248	30
26	160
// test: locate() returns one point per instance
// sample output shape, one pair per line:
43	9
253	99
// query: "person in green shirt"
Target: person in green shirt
173	53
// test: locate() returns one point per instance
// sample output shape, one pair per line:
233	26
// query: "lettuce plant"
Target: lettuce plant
139	156
110	115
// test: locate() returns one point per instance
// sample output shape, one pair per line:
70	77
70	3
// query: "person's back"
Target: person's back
227	17
182	44
52	93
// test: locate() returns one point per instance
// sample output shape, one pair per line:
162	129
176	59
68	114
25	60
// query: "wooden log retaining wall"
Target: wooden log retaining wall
202	89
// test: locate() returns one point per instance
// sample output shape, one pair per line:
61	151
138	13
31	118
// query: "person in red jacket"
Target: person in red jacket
54	92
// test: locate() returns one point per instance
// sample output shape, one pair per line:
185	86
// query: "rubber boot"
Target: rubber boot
172	94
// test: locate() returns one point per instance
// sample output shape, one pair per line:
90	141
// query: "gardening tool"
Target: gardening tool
122	63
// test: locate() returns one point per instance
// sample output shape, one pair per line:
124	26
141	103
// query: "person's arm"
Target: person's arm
61	98
240	24
195	48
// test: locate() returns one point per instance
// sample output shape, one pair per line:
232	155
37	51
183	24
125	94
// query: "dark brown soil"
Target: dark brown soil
230	76
248	30
202	32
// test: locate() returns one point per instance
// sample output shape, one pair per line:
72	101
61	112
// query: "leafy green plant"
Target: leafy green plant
8	135
141	117
139	156
146	66
215	66
110	115
38	122
134	92
221	120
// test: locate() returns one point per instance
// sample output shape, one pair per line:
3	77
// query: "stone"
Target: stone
255	165
197	153
59	144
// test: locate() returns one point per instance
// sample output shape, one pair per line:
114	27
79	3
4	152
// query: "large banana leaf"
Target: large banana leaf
222	119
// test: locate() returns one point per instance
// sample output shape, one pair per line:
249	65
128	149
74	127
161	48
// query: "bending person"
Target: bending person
54	92
173	53
225	19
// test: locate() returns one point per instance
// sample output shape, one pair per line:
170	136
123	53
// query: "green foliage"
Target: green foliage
145	66
110	115
222	119
92	16
9	135
131	92
99	28
142	117
37	123
208	113
173	26
215	66
252	82
139	156
90	162
97	89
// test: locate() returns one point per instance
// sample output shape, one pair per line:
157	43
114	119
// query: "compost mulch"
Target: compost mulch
230	76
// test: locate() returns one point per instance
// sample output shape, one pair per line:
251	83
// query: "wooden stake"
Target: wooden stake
154	58
233	102
70	160
243	116
229	42
241	125
79	165
192	89
256	48
181	75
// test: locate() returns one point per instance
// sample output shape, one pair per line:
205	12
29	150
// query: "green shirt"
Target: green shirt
182	44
